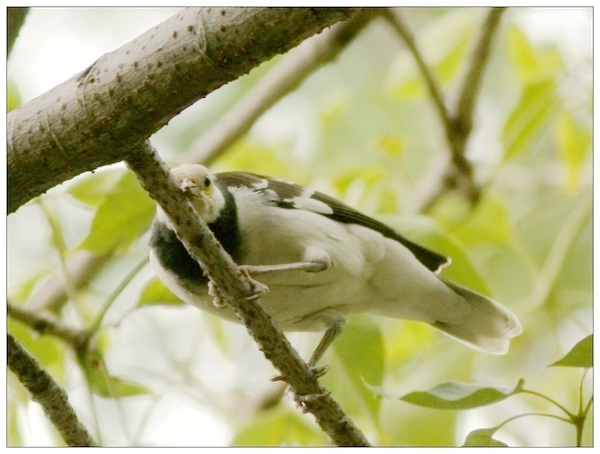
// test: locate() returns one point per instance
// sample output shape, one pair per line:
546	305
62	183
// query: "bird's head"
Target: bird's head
198	185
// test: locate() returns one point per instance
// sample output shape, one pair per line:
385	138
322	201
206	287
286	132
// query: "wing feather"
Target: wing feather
293	196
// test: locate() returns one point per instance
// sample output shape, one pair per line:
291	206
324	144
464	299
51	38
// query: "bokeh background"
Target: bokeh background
362	128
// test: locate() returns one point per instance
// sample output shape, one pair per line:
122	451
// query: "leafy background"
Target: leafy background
361	128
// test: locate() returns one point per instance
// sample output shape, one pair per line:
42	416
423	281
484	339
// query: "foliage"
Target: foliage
363	129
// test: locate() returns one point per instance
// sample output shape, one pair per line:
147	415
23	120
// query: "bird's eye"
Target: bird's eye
207	182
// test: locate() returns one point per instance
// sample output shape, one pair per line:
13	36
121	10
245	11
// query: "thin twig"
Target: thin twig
77	339
81	267
15	18
48	394
397	22
281	80
242	294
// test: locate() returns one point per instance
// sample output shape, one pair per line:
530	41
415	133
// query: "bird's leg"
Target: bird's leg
333	331
308	266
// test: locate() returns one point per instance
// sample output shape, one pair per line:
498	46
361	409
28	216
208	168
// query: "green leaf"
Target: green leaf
574	144
93	188
157	293
581	355
48	350
529	118
105	385
121	217
448	67
456	396
280	426
483	438
361	353
531	64
13	95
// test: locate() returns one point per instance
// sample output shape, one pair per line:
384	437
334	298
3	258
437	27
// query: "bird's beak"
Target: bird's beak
186	184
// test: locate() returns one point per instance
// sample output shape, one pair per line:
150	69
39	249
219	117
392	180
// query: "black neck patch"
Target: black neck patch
172	254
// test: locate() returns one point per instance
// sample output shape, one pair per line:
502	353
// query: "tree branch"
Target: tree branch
128	94
281	80
77	339
15	18
397	22
81	267
458	120
232	287
48	394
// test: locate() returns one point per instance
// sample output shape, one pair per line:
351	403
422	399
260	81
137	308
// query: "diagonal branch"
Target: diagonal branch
243	295
127	95
48	394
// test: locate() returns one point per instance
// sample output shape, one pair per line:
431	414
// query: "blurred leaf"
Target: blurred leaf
529	118
581	355
483	438
157	293
14	435
391	145
532	65
405	339
252	156
22	291
48	350
105	385
279	427
13	96
360	351
448	67
573	144
122	217
95	187
57	239
455	395
488	223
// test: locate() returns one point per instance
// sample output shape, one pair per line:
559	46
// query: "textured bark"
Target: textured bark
126	95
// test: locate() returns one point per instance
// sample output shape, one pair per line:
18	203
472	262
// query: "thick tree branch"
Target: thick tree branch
48	394
128	94
242	293
281	80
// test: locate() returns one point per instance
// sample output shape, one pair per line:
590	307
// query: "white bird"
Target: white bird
321	261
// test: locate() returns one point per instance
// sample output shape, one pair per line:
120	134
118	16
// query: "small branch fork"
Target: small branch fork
457	120
236	288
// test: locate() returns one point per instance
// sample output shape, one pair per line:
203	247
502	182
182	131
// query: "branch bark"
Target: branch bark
48	394
232	287
126	95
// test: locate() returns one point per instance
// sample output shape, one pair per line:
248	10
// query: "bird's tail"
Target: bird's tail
488	327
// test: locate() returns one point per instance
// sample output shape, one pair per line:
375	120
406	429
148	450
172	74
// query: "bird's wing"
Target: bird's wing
292	196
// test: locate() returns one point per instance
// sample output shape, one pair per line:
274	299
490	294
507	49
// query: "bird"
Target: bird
321	261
